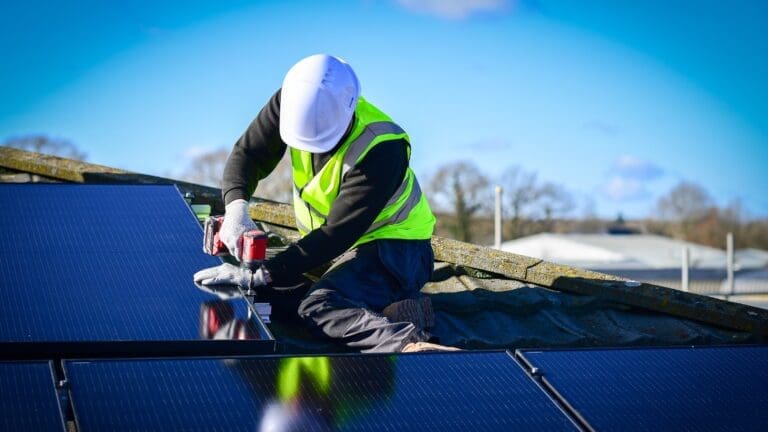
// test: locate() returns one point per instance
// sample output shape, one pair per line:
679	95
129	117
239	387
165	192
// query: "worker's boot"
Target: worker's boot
426	346
417	311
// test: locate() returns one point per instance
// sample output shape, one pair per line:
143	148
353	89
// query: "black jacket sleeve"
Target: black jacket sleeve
364	192
255	155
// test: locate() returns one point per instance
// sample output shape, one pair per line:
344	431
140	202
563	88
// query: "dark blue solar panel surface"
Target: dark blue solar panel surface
425	392
716	388
105	263
29	400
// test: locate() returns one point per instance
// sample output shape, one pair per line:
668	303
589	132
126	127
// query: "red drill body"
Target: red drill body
212	244
253	244
254	249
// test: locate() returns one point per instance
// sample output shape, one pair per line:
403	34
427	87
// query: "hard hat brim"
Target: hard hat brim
296	103
314	146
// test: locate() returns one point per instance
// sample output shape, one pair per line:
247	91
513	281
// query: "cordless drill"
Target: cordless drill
254	244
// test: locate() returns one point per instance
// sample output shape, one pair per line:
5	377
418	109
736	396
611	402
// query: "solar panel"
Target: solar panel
108	263
433	391
714	388
29	400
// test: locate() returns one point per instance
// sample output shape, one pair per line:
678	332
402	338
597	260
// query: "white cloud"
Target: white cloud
625	189
455	9
630	179
631	167
194	151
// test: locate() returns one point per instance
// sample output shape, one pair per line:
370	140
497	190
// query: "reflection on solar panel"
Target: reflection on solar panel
29	400
718	388
108	263
458	391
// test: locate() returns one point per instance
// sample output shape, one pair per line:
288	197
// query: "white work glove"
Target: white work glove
228	274
237	220
223	292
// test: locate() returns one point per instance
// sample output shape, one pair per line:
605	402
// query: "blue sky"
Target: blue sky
615	100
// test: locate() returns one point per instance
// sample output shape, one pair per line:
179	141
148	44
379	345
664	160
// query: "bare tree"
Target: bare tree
460	188
554	201
521	191
686	205
278	185
685	201
208	169
47	145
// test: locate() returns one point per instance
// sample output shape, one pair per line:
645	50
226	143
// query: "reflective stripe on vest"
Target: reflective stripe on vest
362	142
354	151
406	214
402	213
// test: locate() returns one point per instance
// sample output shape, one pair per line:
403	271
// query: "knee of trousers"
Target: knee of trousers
312	303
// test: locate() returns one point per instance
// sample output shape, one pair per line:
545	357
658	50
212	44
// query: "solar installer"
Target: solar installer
355	198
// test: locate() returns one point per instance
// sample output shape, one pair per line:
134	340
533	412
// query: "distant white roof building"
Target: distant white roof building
650	258
751	258
628	252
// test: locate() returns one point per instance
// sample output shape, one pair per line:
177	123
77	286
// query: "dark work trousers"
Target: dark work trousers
346	303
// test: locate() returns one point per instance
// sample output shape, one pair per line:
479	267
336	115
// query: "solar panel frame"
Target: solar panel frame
29	397
718	380
428	391
99	270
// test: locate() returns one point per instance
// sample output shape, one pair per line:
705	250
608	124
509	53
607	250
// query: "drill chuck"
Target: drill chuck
254	249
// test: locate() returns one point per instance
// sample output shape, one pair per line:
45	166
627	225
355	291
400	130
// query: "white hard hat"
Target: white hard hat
317	102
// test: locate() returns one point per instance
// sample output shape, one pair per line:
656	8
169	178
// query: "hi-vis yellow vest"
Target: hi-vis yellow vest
406	215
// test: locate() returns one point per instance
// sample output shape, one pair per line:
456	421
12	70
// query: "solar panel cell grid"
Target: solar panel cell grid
29	400
428	392
717	388
103	263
